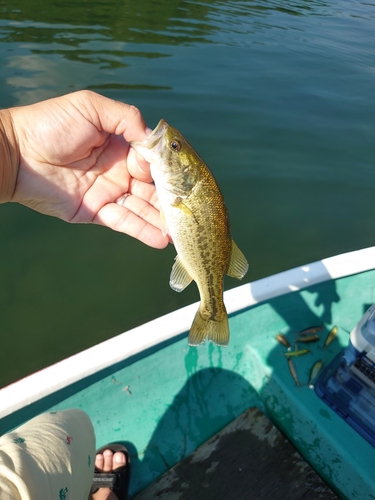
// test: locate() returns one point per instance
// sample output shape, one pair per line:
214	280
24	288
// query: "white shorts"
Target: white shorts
51	457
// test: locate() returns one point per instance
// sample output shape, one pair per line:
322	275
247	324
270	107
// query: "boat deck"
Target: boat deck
169	400
248	459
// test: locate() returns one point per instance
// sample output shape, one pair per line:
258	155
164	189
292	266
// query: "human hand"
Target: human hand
76	163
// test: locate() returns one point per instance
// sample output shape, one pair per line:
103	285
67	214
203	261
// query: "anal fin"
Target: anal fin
238	264
179	278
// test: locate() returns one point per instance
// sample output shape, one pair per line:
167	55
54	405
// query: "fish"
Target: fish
293	372
331	336
311	329
194	214
315	369
282	339
296	353
311	338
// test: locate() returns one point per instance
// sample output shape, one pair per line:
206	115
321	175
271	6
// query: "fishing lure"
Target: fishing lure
282	339
331	336
293	372
311	338
311	330
296	353
315	369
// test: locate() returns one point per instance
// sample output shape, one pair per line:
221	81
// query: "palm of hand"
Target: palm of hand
73	166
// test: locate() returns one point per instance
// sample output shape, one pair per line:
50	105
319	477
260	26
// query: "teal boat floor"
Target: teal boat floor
168	403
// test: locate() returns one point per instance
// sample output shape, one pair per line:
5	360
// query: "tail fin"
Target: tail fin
215	330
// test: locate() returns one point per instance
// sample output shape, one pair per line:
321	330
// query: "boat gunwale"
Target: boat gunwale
170	326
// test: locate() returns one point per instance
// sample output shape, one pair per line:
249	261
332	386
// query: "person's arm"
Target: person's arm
9	157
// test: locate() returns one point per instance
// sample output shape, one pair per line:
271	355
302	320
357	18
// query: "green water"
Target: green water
277	96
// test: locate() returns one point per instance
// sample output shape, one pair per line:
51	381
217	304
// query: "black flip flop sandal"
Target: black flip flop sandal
117	480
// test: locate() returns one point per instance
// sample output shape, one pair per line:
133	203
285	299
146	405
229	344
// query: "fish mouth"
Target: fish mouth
152	140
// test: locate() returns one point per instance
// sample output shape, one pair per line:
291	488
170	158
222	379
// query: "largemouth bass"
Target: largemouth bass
194	214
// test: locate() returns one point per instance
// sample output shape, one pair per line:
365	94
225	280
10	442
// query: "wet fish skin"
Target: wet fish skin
331	336
193	212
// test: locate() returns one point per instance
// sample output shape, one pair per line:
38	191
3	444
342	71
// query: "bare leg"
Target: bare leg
107	462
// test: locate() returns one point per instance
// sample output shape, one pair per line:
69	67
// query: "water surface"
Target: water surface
277	96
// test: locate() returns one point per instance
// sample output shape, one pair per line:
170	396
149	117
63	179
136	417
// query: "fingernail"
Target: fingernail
148	130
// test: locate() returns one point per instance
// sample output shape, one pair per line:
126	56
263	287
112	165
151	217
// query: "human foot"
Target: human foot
108	462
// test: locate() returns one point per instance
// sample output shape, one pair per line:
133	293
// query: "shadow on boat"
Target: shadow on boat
311	307
210	399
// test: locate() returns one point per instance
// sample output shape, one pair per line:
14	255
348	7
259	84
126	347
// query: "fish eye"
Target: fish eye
175	145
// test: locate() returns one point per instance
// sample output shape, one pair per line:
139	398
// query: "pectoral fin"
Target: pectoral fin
184	208
238	264
180	278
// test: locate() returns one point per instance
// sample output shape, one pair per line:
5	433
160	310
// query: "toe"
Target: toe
108	460
99	461
119	460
